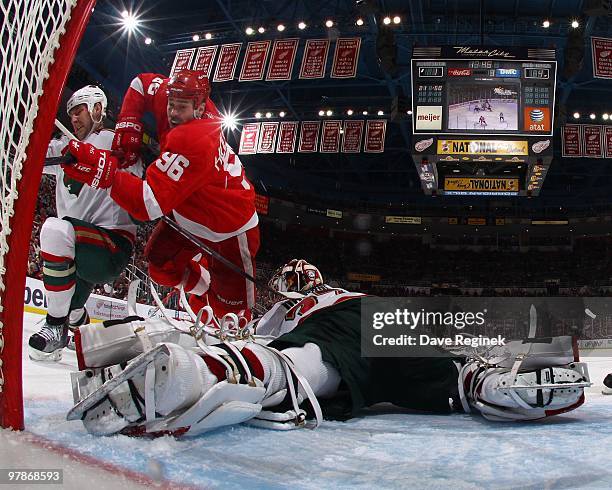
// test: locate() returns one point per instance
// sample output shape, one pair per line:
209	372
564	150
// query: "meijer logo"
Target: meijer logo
429	117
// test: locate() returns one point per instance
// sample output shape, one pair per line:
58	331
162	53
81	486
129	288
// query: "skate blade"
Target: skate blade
37	355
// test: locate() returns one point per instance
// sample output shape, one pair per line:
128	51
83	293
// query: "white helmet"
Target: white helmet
297	275
89	95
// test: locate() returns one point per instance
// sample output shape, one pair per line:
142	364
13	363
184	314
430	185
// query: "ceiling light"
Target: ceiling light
329	23
576	115
208	36
261	30
350	112
409	112
592	116
249	31
365	113
359	22
546	24
321	113
280	27
229	121
606	116
302	26
130	22
575	24
329	112
125	14
258	115
196	37
268	115
380	113
387	20
282	113
397	19
148	40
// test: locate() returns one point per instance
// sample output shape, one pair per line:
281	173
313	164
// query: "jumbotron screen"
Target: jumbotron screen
483	96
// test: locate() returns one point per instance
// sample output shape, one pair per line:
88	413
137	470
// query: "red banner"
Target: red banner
248	139
315	58
282	59
593	141
254	61
286	137
309	136
351	138
204	59
375	136
226	64
267	137
601	50
346	57
570	141
262	204
182	60
330	136
608	140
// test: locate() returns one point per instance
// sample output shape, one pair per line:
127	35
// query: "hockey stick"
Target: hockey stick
65	159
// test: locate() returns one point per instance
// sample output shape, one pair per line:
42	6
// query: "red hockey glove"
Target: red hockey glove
128	140
94	167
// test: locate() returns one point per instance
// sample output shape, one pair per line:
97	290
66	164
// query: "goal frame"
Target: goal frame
12	298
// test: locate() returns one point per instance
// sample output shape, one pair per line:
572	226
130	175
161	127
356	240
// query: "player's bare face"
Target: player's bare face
81	121
179	111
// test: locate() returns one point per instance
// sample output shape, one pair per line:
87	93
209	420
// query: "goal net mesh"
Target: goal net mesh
33	68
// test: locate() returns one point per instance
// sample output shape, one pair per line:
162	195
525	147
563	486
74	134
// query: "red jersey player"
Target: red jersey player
197	179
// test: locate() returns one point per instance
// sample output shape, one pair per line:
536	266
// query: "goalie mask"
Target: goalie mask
189	84
89	95
297	276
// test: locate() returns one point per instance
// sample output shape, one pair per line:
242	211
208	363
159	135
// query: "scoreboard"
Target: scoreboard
482	119
479	91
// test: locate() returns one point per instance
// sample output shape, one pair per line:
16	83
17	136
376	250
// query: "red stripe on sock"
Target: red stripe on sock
59	289
55	258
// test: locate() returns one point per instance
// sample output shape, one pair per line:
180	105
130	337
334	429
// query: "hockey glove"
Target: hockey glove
128	140
94	167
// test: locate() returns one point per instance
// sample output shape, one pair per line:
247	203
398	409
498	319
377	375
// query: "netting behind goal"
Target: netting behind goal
38	44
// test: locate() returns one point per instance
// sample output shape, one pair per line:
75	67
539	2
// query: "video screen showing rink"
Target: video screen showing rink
483	108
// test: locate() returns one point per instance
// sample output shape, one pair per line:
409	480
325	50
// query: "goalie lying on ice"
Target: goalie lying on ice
187	386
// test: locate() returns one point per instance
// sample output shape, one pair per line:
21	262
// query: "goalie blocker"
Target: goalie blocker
189	389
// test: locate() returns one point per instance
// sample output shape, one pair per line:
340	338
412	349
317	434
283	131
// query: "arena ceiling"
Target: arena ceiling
112	58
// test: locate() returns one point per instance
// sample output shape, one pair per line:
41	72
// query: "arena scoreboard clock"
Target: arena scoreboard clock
482	118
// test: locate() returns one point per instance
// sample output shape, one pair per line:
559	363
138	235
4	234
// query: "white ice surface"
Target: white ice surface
389	449
460	117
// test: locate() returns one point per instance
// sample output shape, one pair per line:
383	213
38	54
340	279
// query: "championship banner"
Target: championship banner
267	137
286	137
248	139
601	50
315	58
453	221
479	184
351	138
334	213
330	137
346	57
404	220
282	59
570	141
226	64
477	221
500	221
375	136
549	222
309	136
182	60
204	59
593	141
254	61
482	147
262	204
608	141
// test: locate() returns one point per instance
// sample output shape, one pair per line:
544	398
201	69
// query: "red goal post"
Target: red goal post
39	42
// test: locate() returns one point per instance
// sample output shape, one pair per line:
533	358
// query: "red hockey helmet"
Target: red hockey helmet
189	84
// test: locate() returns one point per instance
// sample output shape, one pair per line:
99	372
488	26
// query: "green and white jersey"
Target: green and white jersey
76	200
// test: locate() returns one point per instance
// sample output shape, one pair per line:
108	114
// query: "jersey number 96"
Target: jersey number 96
172	164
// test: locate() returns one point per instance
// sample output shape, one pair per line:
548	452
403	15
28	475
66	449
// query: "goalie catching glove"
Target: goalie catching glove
127	143
94	167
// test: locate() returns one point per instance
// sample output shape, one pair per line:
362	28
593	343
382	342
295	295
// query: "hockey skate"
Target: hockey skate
607	389
47	344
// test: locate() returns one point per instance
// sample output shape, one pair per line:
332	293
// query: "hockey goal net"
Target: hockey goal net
39	41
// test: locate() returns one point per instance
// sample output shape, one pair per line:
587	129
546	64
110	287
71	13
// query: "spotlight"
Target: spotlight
576	115
365	113
125	14
268	115
148	40
575	24
208	36
329	23
359	21
606	116
380	113
261	30
329	112
409	112
249	31
592	116
196	37
387	20
302	26
546	24
130	22
280	27
397	19
258	115
229	121
321	113
282	113
350	112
